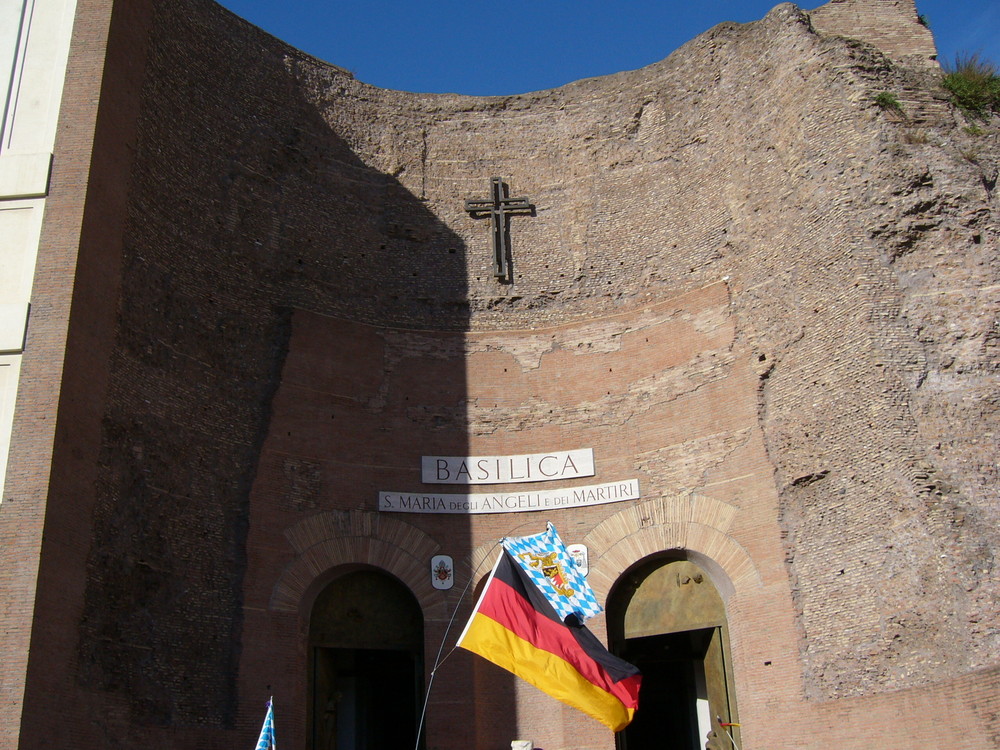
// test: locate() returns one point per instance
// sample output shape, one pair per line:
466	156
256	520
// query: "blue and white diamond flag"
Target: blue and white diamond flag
266	741
545	559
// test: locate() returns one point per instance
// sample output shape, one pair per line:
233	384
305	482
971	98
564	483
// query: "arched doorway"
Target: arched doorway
366	643
666	617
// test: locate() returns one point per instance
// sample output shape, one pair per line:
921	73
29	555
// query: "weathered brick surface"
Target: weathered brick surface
745	286
891	25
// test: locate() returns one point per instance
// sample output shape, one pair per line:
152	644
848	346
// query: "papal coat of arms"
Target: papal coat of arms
442	572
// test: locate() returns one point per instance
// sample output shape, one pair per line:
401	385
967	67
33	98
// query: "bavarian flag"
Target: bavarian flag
548	564
515	627
266	739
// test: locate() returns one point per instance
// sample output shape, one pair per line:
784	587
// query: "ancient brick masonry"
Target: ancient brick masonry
746	285
886	24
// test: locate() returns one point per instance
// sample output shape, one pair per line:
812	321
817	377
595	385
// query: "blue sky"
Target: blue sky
515	46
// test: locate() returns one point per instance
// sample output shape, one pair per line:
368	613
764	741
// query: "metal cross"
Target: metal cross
499	208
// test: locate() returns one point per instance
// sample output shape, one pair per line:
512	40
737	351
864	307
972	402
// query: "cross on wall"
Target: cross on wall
499	207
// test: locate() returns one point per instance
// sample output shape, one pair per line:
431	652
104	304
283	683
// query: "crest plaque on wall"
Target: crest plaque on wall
442	572
579	554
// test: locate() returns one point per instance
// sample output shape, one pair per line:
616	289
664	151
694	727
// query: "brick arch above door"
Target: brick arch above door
696	524
335	539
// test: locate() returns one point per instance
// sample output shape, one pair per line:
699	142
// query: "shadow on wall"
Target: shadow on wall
245	203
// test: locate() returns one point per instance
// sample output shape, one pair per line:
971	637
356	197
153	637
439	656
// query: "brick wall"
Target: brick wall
891	25
45	519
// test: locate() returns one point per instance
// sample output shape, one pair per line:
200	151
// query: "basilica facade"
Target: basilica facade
289	354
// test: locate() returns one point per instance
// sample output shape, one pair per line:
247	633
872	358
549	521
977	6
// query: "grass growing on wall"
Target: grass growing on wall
974	85
888	101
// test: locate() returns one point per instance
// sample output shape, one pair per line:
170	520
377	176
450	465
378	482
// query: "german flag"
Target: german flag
516	628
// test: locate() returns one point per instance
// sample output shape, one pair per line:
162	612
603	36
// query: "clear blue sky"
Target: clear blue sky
514	46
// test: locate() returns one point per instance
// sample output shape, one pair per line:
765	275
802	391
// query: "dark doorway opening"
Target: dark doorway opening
366	638
666	617
677	697
366	699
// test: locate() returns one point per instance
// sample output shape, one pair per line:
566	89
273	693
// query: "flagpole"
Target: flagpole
437	659
725	726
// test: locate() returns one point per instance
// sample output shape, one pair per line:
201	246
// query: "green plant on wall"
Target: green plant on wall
974	85
888	101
